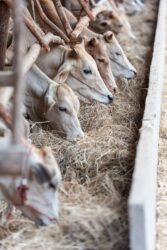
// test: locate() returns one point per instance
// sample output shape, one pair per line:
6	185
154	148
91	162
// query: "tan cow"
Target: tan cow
114	19
78	69
45	100
107	20
73	66
33	188
98	51
120	65
33	185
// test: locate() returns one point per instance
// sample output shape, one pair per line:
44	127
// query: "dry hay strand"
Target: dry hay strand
97	169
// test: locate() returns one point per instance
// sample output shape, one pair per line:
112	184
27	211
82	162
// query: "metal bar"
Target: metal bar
4	21
12	165
18	71
6	79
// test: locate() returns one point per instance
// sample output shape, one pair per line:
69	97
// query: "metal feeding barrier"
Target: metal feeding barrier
14	153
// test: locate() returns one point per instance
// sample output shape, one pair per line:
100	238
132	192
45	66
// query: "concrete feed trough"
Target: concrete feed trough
142	200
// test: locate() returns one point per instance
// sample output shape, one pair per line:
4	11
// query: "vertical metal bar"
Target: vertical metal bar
18	71
4	21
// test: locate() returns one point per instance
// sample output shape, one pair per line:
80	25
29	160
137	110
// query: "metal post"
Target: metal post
4	21
18	71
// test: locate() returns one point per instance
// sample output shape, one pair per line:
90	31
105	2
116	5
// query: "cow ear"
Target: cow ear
73	54
63	73
49	100
108	36
47	153
93	42
111	14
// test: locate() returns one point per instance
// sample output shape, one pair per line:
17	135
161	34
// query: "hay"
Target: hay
96	170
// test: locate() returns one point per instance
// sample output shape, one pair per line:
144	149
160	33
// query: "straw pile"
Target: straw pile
96	170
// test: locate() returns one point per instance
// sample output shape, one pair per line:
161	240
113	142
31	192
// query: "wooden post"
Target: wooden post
4	21
18	71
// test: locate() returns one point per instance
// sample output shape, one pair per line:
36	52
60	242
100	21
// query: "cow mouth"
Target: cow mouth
42	217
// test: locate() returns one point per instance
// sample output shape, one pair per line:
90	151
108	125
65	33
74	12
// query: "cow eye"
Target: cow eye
52	186
117	54
101	60
104	24
120	25
87	71
62	109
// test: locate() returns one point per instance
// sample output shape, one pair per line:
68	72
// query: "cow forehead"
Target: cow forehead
65	94
101	49
51	172
83	53
46	160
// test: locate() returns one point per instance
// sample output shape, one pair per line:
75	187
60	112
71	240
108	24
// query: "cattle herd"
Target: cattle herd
80	59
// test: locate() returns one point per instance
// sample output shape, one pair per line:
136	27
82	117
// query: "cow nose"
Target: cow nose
134	72
110	98
40	222
76	136
80	135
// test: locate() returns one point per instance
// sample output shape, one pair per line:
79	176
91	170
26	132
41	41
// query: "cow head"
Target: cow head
62	108
97	50
108	20
119	62
56	103
37	197
80	72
